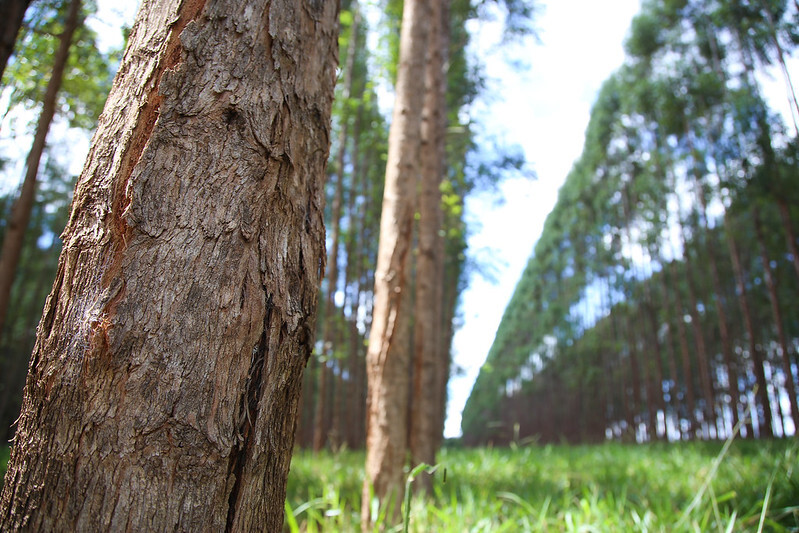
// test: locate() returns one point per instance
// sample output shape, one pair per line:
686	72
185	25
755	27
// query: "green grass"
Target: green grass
611	487
692	487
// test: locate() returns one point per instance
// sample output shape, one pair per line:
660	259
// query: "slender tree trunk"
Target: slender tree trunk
331	318
352	283
449	298
763	405
702	359
12	12
163	388
636	368
771	284
672	360
387	357
790	236
447	305
21	210
726	344
429	261
685	354
657	385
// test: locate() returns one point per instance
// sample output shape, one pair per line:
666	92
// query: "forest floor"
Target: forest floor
750	486
703	486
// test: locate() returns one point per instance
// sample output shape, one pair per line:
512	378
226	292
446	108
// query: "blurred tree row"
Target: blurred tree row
660	301
41	85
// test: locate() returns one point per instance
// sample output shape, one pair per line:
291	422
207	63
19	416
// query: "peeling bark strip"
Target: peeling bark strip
163	388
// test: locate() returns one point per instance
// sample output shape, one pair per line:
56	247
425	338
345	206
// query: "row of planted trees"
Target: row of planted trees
660	300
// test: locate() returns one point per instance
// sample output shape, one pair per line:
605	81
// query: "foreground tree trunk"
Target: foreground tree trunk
388	358
21	210
12	12
163	387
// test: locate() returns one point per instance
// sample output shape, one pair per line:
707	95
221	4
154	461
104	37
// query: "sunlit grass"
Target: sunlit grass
611	487
690	487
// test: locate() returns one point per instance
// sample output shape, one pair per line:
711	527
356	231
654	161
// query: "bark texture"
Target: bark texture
429	261
12	12
388	355
163	387
21	210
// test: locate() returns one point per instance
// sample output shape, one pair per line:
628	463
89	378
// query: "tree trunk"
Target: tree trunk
387	357
331	318
353	275
21	210
685	354
11	15
764	417
429	261
672	356
726	343
702	359
163	388
771	284
785	216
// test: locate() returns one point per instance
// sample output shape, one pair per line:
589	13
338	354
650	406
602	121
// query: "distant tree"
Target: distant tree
428	349
12	12
162	391
388	357
21	210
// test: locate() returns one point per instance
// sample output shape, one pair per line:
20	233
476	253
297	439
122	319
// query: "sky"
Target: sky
545	109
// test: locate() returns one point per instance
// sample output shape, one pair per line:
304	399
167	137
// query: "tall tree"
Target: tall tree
428	326
21	211
12	13
329	323
144	381
388	357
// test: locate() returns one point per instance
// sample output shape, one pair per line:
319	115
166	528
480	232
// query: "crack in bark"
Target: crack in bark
248	416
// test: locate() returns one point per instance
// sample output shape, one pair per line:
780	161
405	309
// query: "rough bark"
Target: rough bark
429	260
163	388
21	210
387	356
12	12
